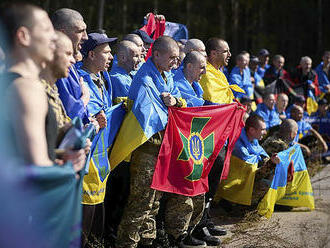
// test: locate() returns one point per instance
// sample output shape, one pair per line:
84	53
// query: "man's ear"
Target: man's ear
189	66
91	55
23	36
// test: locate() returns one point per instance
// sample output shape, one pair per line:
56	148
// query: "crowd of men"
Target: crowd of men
58	72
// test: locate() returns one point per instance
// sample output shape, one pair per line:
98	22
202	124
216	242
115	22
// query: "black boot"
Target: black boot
191	242
204	235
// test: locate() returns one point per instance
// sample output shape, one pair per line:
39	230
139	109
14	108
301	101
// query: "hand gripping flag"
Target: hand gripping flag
193	139
297	193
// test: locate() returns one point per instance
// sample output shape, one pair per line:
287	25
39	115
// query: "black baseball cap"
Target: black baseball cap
94	40
144	36
264	52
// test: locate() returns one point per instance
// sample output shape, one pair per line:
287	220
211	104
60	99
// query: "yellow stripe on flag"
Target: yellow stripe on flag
238	187
129	137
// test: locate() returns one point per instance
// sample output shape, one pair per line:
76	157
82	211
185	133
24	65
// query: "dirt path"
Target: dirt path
296	228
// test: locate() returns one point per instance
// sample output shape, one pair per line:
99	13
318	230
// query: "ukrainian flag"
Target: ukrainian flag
297	193
238	187
94	183
311	103
148	114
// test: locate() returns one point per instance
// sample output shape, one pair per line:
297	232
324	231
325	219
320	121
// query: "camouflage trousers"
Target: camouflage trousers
138	222
182	212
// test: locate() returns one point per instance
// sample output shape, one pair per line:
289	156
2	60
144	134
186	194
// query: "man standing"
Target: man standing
241	76
182	213
128	57
263	57
74	95
96	61
216	91
56	69
153	78
187	78
214	82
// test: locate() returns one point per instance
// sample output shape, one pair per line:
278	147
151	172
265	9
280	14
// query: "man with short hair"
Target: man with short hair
320	120
323	74
281	104
96	61
256	79
214	83
282	139
263	57
276	71
304	78
195	45
73	93
154	77
32	39
128	57
216	91
147	41
268	112
304	128
179	225
194	66
56	69
248	149
241	76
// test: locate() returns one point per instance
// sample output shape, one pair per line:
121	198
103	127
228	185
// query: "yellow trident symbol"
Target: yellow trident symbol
196	147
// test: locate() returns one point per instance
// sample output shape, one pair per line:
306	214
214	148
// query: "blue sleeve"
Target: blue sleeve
74	107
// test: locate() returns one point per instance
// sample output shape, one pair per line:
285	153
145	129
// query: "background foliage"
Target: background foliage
293	28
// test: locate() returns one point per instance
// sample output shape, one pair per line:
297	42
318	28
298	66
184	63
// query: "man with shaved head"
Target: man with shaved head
128	57
305	129
136	39
73	93
241	76
182	213
194	45
154	79
276	70
282	139
56	69
187	78
281	104
304	78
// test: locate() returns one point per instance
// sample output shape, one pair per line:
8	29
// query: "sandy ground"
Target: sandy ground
297	228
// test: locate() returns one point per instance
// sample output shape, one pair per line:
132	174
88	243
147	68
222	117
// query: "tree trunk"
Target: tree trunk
124	27
222	20
319	25
100	14
234	9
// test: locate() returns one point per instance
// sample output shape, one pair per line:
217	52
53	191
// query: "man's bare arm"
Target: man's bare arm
28	112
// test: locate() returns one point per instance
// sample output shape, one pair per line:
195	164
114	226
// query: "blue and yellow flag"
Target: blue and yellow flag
148	114
311	103
297	193
94	183
238	187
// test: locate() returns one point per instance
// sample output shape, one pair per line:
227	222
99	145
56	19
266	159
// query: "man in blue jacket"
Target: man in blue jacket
73	94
